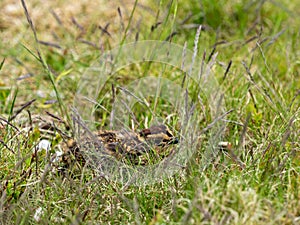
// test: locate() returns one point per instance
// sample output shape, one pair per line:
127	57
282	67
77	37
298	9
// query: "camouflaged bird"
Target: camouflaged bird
128	146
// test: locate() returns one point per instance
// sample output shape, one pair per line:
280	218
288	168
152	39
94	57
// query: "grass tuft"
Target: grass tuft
251	48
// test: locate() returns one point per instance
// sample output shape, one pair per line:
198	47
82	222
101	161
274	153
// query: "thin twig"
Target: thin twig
24	106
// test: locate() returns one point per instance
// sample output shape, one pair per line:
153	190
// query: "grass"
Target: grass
255	181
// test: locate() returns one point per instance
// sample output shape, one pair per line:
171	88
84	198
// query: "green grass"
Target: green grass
256	181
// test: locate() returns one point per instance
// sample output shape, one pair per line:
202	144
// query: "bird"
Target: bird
136	148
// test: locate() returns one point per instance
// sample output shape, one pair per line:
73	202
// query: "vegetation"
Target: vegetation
253	49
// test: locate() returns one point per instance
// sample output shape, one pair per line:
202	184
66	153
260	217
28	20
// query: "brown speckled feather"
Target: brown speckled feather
130	146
